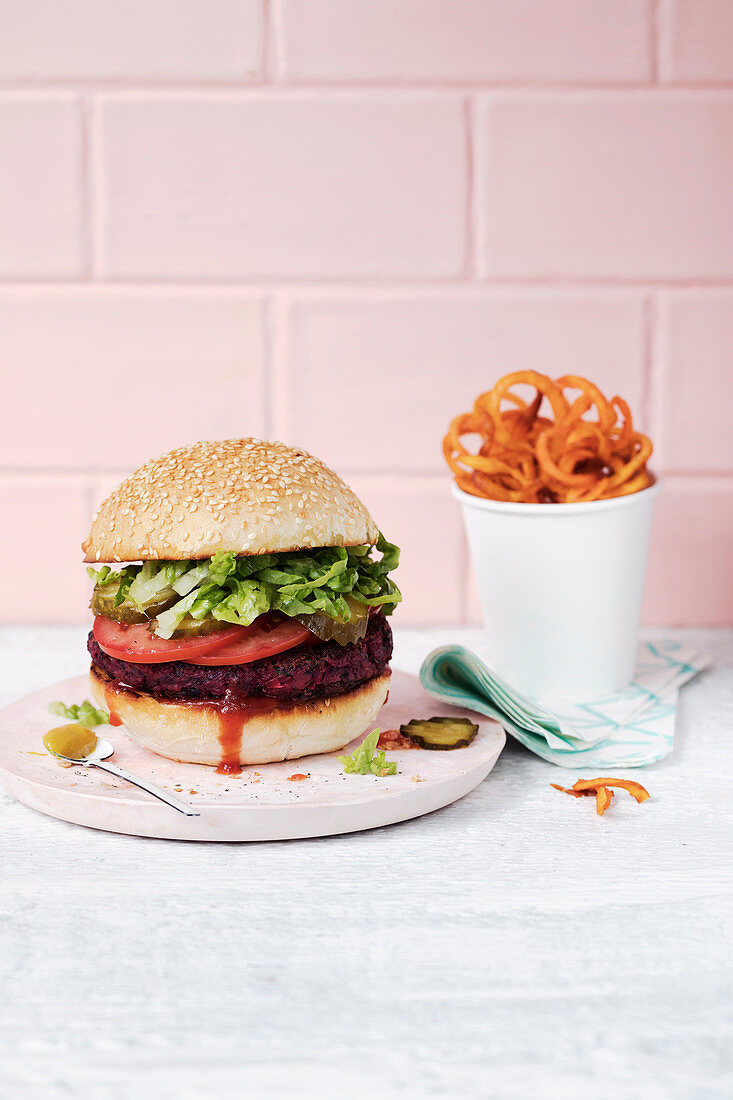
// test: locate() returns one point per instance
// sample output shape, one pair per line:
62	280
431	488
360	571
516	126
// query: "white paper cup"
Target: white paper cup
561	588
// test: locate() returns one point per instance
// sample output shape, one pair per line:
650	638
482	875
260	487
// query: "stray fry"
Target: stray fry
526	457
600	788
635	789
603	799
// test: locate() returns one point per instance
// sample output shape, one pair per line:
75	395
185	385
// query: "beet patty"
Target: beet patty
312	672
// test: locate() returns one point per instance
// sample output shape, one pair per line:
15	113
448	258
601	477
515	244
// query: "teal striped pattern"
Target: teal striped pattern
628	729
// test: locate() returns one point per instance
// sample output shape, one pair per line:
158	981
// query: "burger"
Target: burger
241	595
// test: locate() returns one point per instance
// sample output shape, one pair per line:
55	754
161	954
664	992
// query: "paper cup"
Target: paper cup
561	588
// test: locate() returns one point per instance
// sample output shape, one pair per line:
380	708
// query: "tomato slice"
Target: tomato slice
262	639
135	642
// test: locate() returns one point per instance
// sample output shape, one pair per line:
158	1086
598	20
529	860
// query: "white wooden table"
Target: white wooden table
511	945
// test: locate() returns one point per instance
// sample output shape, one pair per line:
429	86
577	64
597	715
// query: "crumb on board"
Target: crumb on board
297	777
417	779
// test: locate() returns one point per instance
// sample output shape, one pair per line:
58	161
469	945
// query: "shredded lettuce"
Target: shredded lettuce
368	759
86	714
154	579
102	576
238	589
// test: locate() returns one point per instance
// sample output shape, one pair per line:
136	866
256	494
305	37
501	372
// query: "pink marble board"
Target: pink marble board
262	803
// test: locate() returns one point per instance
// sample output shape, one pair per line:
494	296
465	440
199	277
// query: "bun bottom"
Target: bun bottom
202	733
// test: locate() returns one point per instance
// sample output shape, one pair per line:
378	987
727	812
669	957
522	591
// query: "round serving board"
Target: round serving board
263	803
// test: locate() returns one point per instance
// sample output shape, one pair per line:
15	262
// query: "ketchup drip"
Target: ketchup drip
232	715
114	718
231	728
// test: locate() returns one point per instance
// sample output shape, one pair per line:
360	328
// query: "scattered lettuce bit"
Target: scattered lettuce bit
366	760
86	714
238	589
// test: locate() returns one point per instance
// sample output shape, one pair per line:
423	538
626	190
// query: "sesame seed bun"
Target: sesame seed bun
190	732
244	495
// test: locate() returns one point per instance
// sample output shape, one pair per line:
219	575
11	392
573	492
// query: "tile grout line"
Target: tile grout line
654	17
267	59
257	85
275	65
345	286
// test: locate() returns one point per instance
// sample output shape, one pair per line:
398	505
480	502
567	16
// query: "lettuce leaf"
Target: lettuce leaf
86	714
238	589
155	578
368	759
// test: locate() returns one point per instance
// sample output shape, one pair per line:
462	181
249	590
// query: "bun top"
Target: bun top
244	495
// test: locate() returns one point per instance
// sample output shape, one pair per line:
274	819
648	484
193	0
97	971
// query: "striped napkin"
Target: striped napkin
628	729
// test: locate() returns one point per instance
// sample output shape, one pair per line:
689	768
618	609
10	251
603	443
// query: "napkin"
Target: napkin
627	729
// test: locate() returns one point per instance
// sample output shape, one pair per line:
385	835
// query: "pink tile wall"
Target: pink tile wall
335	222
614	185
207	40
478	40
41	186
232	186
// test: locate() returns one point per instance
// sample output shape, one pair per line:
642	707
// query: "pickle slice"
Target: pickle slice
440	733
335	630
103	603
197	628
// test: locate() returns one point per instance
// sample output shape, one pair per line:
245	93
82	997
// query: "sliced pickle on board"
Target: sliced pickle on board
440	733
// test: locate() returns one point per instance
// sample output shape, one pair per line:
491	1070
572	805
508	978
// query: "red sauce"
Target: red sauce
114	718
231	727
232	715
